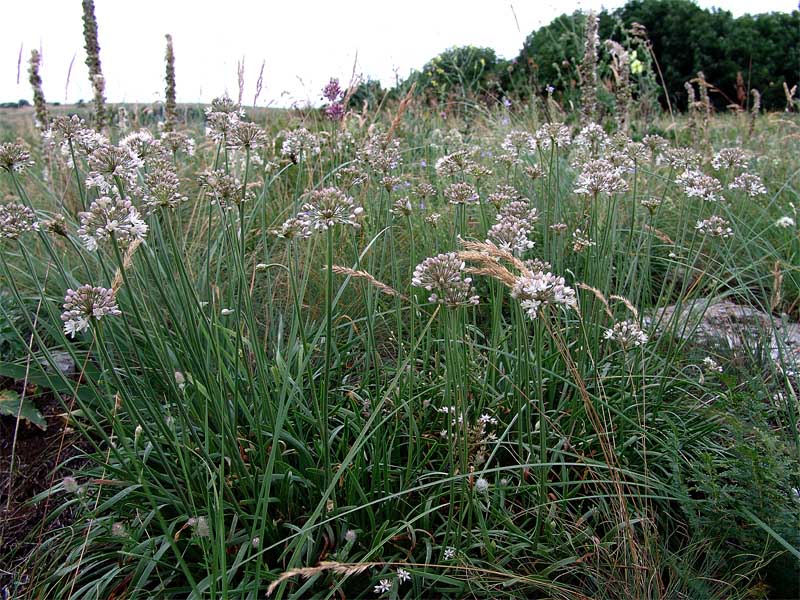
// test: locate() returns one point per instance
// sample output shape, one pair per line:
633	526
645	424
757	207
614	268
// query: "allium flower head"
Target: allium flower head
226	189
177	141
655	144
519	210
14	158
553	134
300	144
715	226
627	334
519	143
730	158
109	217
381	153
600	176
16	219
696	184
461	193
335	111
162	186
109	162
785	222
329	207
457	163
590	144
87	303
402	207
510	235
581	241
503	194
749	184
680	159
442	275
536	291
141	144
247	136
332	90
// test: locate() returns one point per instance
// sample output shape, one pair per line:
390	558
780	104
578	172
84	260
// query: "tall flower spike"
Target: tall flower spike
85	304
170	104
588	70
39	105
92	47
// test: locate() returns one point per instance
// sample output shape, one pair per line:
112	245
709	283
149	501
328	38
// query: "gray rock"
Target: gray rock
720	322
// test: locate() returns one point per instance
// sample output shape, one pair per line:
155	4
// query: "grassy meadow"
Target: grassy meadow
415	351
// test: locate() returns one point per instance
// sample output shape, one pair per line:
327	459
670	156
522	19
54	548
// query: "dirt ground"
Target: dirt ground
36	457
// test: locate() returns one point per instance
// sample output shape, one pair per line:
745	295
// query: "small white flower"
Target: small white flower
481	485
403	576
350	536
384	586
785	222
226	311
449	553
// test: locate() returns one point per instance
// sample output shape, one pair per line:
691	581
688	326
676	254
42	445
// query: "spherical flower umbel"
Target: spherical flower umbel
518	143
85	304
247	136
511	235
599	176
442	275
749	184
729	158
109	217
536	291
696	184
328	207
461	193
299	144
553	134
627	334
14	158
16	219
715	226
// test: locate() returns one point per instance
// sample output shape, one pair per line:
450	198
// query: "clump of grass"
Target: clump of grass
488	401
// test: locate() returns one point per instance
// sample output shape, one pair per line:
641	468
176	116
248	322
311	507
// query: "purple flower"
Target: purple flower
335	111
506	102
423	163
332	91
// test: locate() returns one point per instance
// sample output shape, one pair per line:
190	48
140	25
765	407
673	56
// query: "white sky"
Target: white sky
303	42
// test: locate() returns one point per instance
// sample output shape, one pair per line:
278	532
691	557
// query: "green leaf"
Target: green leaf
10	405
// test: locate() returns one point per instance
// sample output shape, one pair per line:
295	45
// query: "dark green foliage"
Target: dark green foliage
765	48
465	71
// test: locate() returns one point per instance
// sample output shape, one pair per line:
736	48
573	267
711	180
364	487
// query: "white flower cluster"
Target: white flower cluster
87	303
715	226
627	334
109	217
442	275
536	291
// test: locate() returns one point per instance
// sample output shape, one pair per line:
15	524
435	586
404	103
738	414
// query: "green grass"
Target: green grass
248	385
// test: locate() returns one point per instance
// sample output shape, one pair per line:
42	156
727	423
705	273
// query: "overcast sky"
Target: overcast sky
302	43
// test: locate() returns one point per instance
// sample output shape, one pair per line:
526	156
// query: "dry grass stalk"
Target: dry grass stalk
777	286
127	260
659	234
756	108
401	109
259	83
379	285
627	304
599	295
483	251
